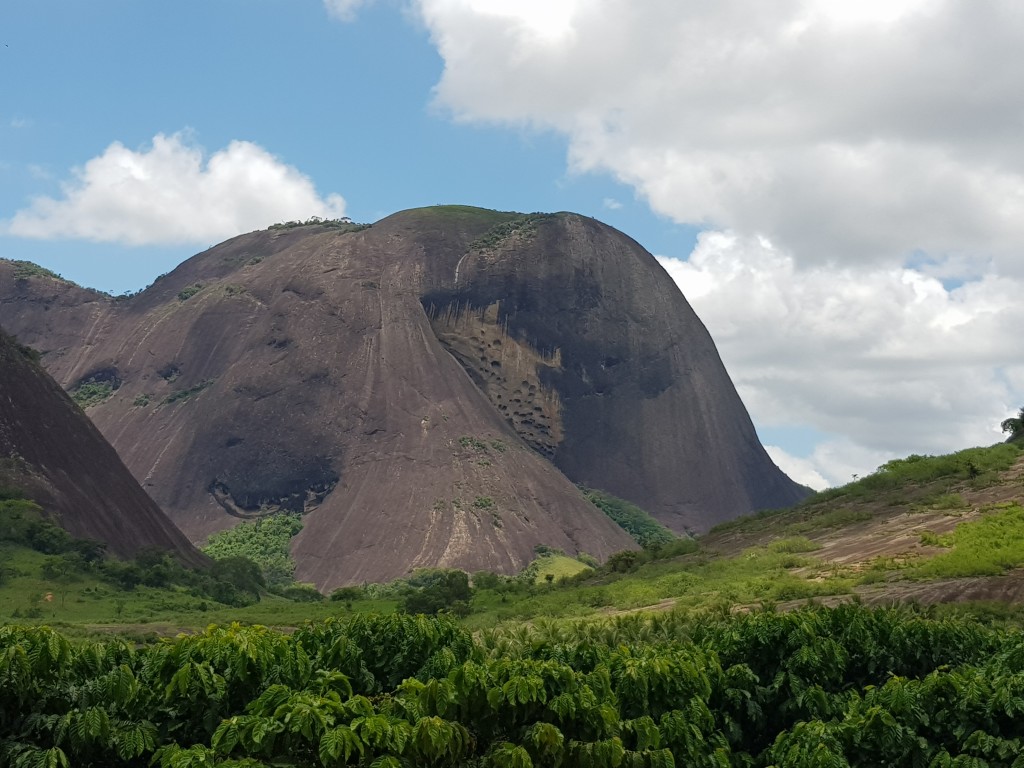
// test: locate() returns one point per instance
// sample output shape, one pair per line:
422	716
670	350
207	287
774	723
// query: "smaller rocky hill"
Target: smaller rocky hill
52	452
926	530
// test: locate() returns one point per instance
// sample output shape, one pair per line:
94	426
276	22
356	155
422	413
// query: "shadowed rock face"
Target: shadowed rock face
623	388
51	451
421	389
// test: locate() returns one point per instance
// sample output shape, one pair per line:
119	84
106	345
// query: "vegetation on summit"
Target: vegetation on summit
343	224
26	269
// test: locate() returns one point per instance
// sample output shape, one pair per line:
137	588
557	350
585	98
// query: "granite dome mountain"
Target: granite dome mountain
426	390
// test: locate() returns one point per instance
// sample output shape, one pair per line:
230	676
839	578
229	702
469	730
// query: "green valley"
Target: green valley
716	651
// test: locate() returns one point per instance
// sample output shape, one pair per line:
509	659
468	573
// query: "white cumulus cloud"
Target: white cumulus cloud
171	192
889	358
857	167
867	130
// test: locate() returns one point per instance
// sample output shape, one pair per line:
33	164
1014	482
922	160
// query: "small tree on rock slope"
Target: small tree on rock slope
1015	426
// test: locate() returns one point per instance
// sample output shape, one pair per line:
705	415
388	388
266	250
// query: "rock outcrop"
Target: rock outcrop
52	452
426	390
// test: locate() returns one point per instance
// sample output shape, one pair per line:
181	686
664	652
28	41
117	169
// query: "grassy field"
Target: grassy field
985	547
559	567
28	597
766	559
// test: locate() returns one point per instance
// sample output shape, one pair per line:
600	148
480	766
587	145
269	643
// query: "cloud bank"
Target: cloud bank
857	167
837	132
887	357
171	193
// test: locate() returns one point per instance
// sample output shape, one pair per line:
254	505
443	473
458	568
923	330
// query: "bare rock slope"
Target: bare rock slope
52	452
426	390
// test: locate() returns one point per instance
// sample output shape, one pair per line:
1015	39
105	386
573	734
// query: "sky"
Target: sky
836	187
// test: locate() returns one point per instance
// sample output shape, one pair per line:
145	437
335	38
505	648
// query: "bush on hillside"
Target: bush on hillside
486	580
346	594
266	542
434	590
645	530
300	593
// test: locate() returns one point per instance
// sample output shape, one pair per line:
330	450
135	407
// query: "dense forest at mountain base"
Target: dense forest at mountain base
815	687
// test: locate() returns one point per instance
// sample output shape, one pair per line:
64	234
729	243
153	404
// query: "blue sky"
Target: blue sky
350	105
837	188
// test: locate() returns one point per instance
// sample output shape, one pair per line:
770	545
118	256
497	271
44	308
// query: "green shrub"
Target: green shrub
524	225
67	567
543	550
301	593
947	501
466	441
588	560
127	576
793	545
45	537
188	292
645	530
676	548
835	518
343	224
932	539
969	464
185	394
11	494
486	580
241	572
91	393
266	542
18	518
623	562
434	590
346	594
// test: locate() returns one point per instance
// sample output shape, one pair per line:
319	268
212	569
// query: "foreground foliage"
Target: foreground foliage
846	686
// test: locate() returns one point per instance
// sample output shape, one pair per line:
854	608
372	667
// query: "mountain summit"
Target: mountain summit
425	391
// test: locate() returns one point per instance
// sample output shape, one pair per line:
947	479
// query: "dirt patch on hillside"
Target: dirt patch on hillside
881	528
888	532
897	533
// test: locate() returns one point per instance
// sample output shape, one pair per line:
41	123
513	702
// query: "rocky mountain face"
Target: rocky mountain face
425	391
51	451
